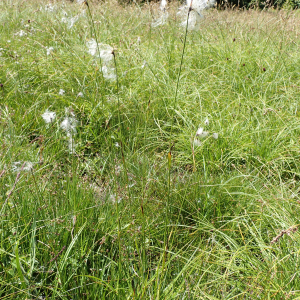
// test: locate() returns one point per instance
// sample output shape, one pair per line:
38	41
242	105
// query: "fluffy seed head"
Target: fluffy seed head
201	133
215	135
48	116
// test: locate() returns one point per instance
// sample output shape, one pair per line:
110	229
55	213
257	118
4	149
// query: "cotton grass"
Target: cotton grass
49	116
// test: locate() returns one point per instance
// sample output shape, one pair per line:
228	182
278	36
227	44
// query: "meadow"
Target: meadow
165	166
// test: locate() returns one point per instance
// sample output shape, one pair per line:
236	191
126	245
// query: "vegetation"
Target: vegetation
176	177
241	4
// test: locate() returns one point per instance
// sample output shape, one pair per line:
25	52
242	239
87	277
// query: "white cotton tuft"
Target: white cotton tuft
161	20
163	5
49	50
193	21
195	16
61	92
144	64
49	7
215	135
106	51
80	94
70	21
206	122
69	125
49	116
201	133
197	143
21	33
109	73
92	47
22	166
200	5
71	145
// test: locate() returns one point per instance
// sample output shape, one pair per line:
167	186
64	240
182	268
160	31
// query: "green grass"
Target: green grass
120	218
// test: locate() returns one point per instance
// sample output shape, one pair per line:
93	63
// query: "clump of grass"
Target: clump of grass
111	217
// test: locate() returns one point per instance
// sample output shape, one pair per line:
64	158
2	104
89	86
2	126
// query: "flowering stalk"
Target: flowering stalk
166	237
180	68
94	30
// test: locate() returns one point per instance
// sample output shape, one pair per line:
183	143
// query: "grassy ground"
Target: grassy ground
106	210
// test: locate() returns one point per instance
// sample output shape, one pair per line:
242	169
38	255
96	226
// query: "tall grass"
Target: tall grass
125	217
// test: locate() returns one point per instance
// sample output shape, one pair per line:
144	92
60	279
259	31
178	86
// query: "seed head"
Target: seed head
49	116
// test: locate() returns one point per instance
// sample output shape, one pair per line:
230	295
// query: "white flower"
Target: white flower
206	122
80	94
49	50
161	20
138	40
9	41
106	51
117	144
215	135
109	73
61	92
69	125
163	5
48	116
201	133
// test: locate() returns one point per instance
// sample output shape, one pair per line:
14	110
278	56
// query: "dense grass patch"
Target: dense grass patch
116	197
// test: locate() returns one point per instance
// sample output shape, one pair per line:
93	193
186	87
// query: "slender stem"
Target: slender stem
121	128
179	73
166	237
95	34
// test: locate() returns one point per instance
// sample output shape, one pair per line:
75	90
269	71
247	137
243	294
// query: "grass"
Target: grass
125	217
